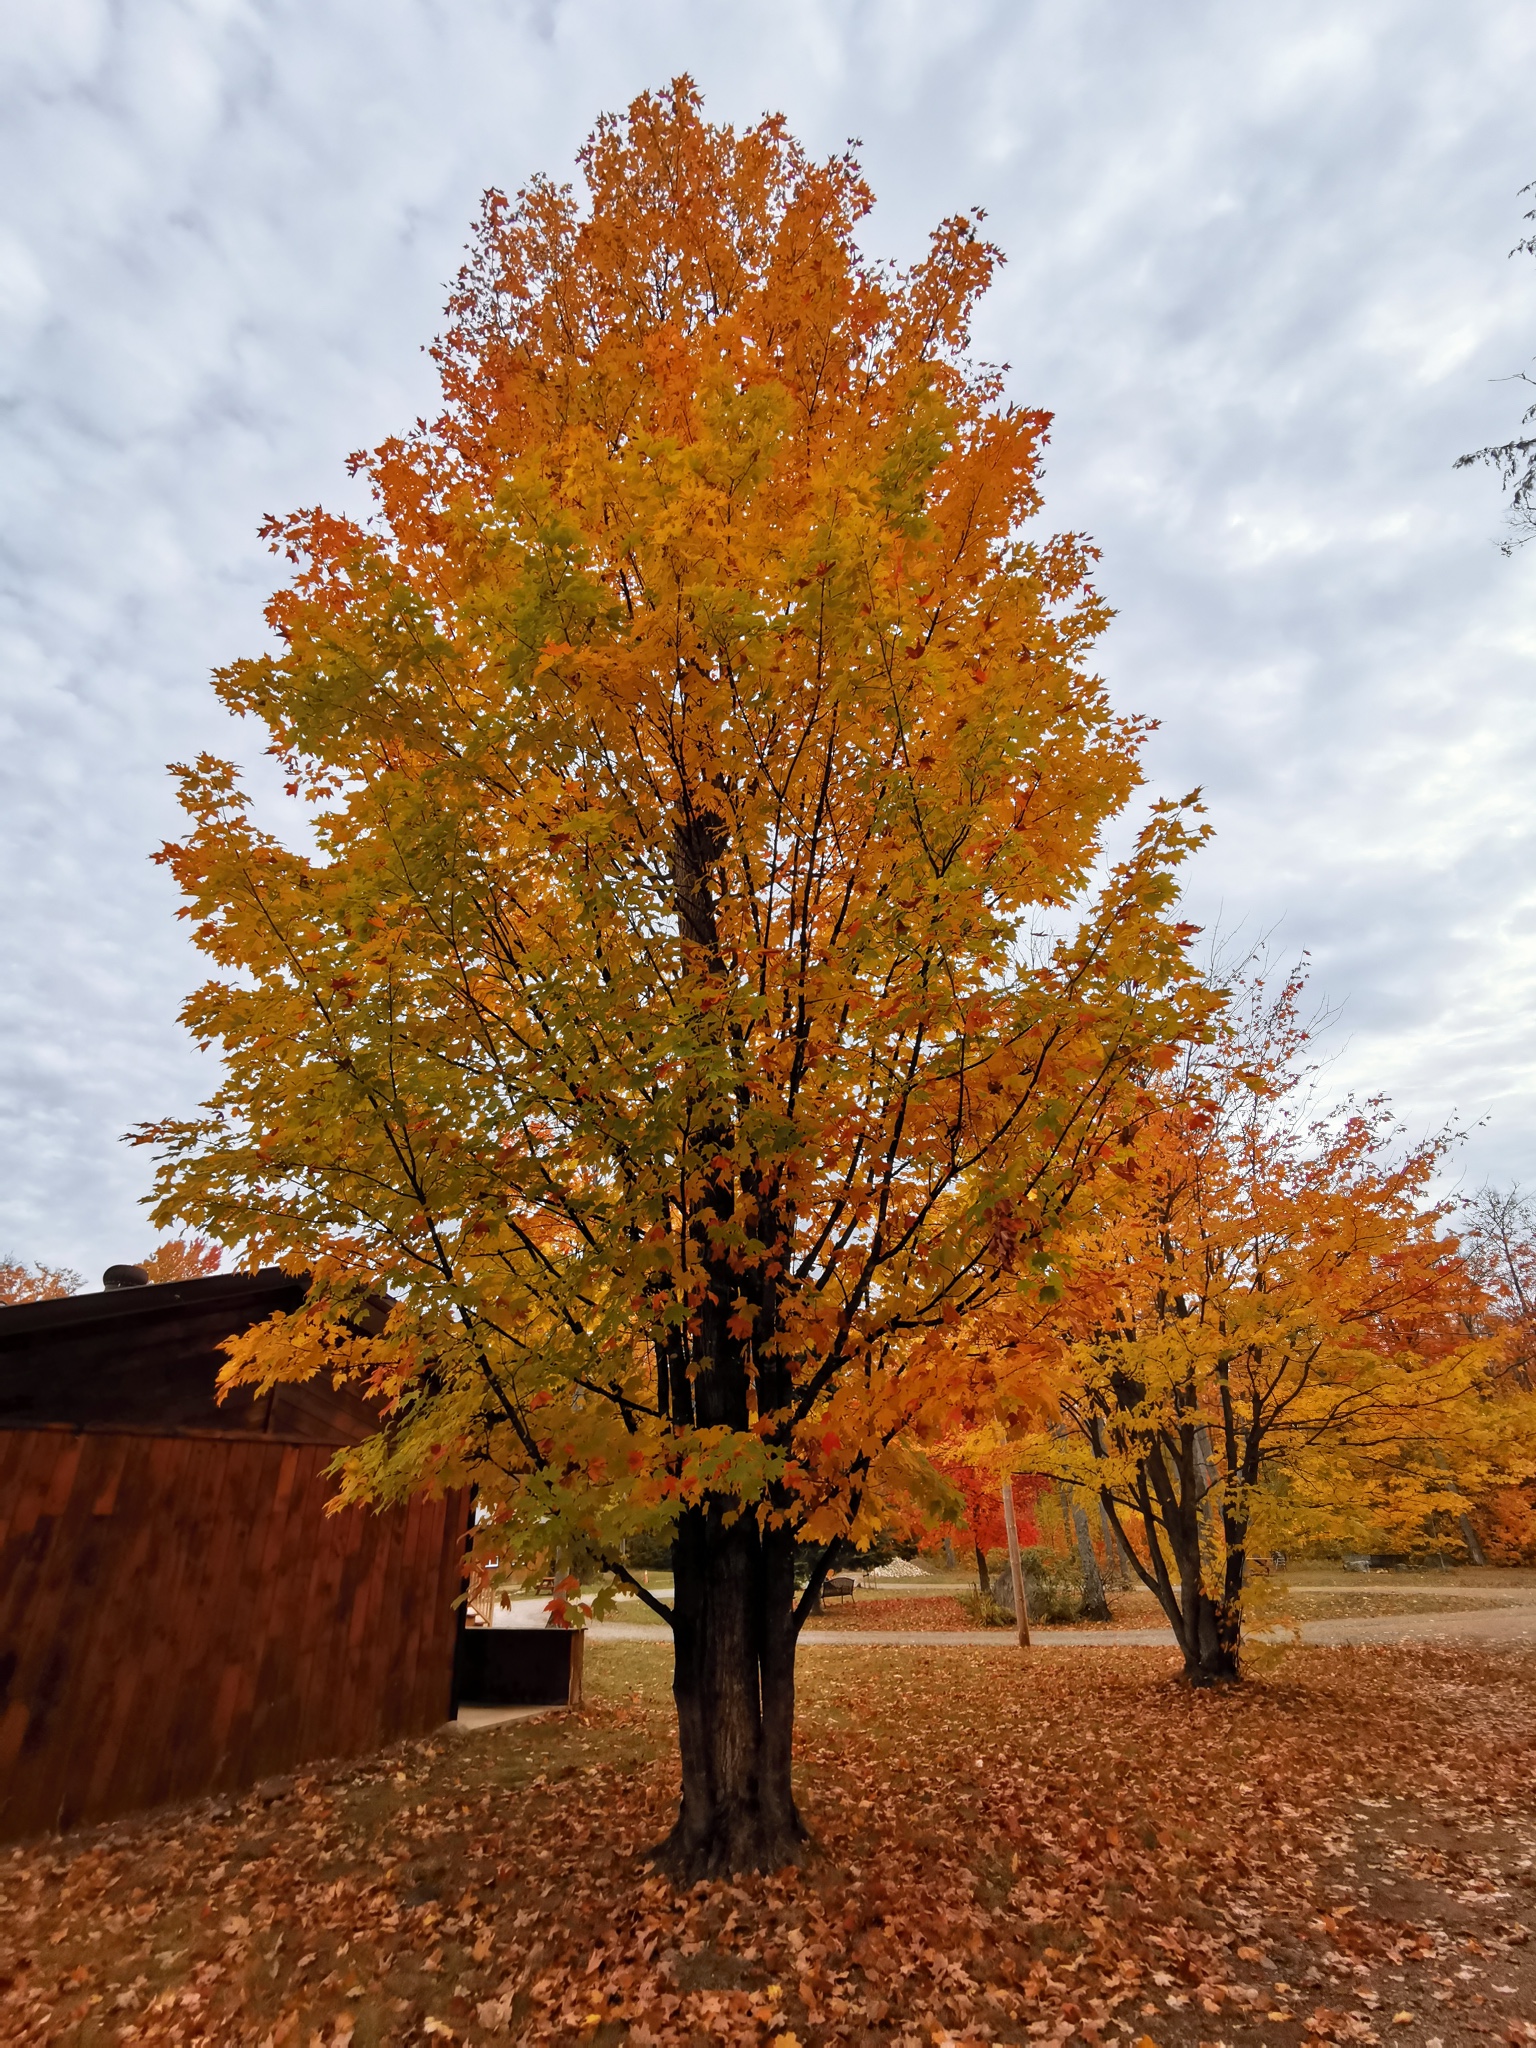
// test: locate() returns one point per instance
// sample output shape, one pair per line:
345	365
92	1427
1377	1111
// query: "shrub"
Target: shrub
1052	1586
985	1611
651	1552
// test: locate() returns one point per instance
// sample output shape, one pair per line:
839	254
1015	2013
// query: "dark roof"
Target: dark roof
147	1359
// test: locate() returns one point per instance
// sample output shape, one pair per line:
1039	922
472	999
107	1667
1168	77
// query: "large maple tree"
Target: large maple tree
693	747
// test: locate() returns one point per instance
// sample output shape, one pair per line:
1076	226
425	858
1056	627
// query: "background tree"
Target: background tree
1495	1460
182	1258
1498	1242
1515	461
690	743
20	1282
980	1491
1264	1338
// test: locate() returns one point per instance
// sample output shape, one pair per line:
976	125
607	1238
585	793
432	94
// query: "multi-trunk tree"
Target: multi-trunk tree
692	750
1263	1339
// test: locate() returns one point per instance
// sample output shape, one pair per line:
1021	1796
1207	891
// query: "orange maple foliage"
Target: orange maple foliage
19	1282
181	1258
696	743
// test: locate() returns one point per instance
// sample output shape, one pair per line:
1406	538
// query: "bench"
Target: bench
839	1588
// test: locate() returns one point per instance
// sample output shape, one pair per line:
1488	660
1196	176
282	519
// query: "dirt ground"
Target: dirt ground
1020	1849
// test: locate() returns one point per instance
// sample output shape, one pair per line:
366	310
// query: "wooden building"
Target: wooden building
178	1613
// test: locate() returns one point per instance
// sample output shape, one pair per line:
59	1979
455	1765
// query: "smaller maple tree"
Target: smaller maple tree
1263	1340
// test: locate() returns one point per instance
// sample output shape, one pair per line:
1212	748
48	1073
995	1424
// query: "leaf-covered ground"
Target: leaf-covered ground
925	1609
926	1614
1014	1849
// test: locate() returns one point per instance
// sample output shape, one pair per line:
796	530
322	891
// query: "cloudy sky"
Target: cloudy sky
1257	268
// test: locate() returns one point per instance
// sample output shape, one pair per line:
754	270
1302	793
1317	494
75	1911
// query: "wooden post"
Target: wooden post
1015	1564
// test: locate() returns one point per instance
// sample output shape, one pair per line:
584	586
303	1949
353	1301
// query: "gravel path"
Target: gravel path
1508	1627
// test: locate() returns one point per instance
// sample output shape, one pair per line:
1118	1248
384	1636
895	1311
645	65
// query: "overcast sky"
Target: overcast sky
1257	268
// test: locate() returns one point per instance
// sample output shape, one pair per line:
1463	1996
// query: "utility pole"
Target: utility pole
1015	1564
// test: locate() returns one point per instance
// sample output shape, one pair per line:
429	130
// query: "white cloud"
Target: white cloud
1257	268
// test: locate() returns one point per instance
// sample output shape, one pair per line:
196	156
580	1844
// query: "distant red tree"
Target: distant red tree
982	1493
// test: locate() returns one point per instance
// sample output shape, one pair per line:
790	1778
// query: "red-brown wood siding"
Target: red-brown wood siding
179	1615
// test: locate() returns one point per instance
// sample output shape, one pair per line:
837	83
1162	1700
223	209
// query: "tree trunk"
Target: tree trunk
734	1684
1114	1551
1216	1637
1095	1605
981	1571
1208	1630
1212	1627
1469	1537
1212	1648
1468	1533
733	1603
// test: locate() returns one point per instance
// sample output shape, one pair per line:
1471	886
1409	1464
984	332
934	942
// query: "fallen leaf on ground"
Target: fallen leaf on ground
1063	1846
